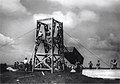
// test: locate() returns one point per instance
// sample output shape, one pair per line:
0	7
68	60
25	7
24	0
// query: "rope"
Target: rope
87	49
17	38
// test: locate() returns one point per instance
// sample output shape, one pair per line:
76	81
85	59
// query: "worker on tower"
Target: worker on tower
38	39
40	34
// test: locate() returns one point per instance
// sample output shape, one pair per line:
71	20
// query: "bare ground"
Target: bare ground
56	78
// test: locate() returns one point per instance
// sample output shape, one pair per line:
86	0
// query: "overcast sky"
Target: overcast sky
94	23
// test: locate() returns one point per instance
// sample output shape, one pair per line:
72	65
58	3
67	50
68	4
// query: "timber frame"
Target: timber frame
49	34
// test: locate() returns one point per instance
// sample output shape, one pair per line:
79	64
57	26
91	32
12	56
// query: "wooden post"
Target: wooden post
52	46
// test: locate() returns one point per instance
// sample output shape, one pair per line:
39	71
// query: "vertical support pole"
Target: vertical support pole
52	46
34	48
62	45
36	34
33	67
33	59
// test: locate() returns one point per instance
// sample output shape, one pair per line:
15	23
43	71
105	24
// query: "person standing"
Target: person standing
72	70
15	65
90	64
111	64
25	64
30	62
114	64
77	66
65	66
98	64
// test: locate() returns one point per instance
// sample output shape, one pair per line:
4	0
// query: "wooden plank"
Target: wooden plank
42	69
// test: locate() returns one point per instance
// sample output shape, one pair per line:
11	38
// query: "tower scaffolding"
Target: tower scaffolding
49	33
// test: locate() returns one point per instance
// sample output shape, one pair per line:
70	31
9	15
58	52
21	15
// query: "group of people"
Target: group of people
76	68
113	64
91	64
24	66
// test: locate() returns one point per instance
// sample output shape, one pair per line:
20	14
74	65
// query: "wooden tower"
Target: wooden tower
48	37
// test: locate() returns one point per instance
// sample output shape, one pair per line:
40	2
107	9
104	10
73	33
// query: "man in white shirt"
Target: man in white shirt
40	34
73	70
39	37
26	64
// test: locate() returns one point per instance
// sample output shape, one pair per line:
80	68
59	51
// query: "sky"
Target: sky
93	23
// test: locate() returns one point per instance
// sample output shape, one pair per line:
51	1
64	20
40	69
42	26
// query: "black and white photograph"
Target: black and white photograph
59	41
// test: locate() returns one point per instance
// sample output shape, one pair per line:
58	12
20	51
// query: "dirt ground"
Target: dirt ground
56	78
